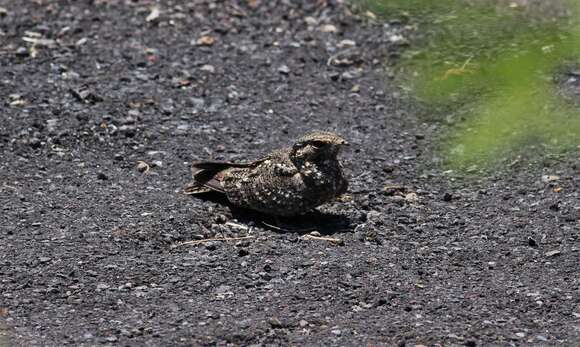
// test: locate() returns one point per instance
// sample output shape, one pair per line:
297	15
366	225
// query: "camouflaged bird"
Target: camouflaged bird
287	182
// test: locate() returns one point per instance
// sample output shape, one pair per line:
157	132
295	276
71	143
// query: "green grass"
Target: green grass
496	66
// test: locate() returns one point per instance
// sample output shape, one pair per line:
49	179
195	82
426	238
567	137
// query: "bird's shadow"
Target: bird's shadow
326	224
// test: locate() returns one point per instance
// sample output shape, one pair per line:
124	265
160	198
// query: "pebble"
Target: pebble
412	197
131	117
346	44
352	74
553	253
244	324
284	69
334	76
22	52
51	125
208	68
398	39
102	176
182	129
374	215
328	28
126	332
359	233
310	20
34	142
102	286
198	103
128	130
223	289
336	332
275	323
142	166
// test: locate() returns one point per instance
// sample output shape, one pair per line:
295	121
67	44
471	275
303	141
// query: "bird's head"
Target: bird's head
317	146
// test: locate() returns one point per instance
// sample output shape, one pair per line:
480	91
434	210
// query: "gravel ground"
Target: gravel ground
106	102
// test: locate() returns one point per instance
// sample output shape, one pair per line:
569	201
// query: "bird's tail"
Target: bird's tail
208	176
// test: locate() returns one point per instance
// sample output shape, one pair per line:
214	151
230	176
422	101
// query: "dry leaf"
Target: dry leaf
206	40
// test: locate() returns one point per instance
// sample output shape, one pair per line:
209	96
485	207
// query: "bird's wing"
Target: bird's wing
208	175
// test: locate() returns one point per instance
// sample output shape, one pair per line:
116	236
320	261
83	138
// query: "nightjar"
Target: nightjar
287	182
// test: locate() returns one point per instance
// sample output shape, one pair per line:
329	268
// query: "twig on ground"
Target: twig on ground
287	230
238	226
198	242
321	238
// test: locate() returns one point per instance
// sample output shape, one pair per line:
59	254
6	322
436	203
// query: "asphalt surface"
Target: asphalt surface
104	104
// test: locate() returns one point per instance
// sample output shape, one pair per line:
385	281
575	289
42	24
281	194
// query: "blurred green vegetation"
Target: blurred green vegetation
495	66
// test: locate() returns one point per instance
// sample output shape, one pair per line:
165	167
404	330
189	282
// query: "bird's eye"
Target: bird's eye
318	143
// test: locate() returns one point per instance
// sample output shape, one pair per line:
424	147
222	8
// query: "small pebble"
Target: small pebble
142	166
285	70
328	28
208	68
22	52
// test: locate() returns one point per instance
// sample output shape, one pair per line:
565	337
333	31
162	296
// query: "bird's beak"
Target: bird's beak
344	143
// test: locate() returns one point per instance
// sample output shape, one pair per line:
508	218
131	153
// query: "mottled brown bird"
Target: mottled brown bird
287	182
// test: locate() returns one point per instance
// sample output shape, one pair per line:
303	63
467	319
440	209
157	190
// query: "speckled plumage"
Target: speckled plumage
286	182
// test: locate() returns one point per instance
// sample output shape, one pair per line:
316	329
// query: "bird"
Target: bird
286	182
